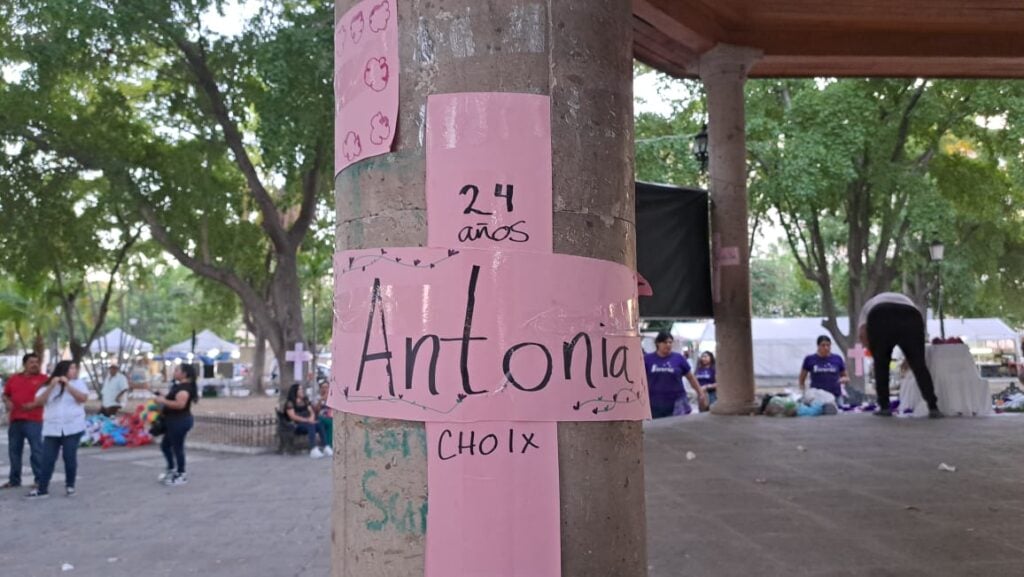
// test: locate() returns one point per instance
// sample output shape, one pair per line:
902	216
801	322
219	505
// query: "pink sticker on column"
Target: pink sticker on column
489	171
493	500
729	256
365	81
462	335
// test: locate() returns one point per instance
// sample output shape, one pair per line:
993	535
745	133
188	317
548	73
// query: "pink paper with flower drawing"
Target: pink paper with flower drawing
365	81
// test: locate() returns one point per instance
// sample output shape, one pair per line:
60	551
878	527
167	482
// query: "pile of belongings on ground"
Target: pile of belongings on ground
1010	402
128	430
812	403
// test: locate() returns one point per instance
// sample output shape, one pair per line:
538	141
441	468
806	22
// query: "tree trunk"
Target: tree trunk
287	295
259	360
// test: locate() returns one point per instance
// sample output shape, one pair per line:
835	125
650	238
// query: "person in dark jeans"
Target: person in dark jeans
177	415
301	413
891	320
26	419
64	398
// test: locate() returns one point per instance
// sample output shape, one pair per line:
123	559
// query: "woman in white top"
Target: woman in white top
63	400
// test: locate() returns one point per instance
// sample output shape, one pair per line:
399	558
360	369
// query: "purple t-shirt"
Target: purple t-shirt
705	376
665	375
825	372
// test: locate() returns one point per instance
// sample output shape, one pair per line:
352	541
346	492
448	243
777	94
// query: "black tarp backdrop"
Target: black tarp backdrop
673	251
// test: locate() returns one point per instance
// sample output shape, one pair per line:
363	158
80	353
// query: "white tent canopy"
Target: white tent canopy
206	341
117	341
780	344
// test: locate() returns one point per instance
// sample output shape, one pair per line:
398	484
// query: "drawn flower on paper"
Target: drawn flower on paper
380	129
380	16
352	147
376	73
356	27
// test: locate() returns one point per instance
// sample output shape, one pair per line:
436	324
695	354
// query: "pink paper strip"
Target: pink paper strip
518	336
489	171
493	500
365	81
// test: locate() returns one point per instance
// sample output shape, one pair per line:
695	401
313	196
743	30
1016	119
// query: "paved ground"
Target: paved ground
865	498
235	517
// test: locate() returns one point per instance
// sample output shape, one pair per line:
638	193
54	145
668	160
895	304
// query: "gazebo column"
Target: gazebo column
723	69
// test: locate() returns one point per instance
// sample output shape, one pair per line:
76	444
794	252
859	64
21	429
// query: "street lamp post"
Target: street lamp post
937	251
700	148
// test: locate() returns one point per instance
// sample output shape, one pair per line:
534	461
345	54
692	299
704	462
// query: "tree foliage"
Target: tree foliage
861	176
219	145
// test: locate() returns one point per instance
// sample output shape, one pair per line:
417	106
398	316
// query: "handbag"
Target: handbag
159	427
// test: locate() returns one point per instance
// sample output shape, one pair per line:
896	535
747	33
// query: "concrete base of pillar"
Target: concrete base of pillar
734	408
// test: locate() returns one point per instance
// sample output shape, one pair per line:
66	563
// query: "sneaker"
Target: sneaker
37	494
316	453
70	491
883	413
935	414
328	451
166	475
177	479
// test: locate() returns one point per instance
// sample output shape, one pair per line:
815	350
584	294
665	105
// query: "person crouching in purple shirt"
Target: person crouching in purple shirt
827	371
665	373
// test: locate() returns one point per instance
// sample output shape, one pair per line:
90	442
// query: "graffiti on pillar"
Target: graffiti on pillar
395	442
390	509
365	81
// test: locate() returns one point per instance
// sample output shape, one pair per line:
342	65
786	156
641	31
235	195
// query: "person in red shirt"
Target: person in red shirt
26	418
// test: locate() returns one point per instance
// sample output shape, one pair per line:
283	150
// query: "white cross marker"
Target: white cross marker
857	353
298	357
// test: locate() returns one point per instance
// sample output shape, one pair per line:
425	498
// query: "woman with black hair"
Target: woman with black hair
63	399
665	373
706	375
299	412
177	415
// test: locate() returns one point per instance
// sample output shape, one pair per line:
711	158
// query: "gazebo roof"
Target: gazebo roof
929	38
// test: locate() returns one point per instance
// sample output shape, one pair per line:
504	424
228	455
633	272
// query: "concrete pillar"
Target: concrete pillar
723	69
579	52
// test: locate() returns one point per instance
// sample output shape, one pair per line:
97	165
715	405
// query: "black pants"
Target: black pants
173	444
891	325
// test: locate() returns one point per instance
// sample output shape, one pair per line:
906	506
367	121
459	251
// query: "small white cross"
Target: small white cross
298	357
857	353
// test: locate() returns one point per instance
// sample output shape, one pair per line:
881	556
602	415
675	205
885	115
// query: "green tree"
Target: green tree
58	229
861	175
220	145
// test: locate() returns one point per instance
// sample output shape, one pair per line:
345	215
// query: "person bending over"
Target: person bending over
891	320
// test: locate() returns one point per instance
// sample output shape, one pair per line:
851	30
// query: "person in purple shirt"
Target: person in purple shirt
665	373
827	371
705	374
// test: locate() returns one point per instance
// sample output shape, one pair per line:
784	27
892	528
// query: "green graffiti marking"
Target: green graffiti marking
378	444
409	521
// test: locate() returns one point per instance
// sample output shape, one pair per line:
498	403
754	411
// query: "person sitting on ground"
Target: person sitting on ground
889	320
63	401
665	373
301	413
325	414
113	392
705	374
827	371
